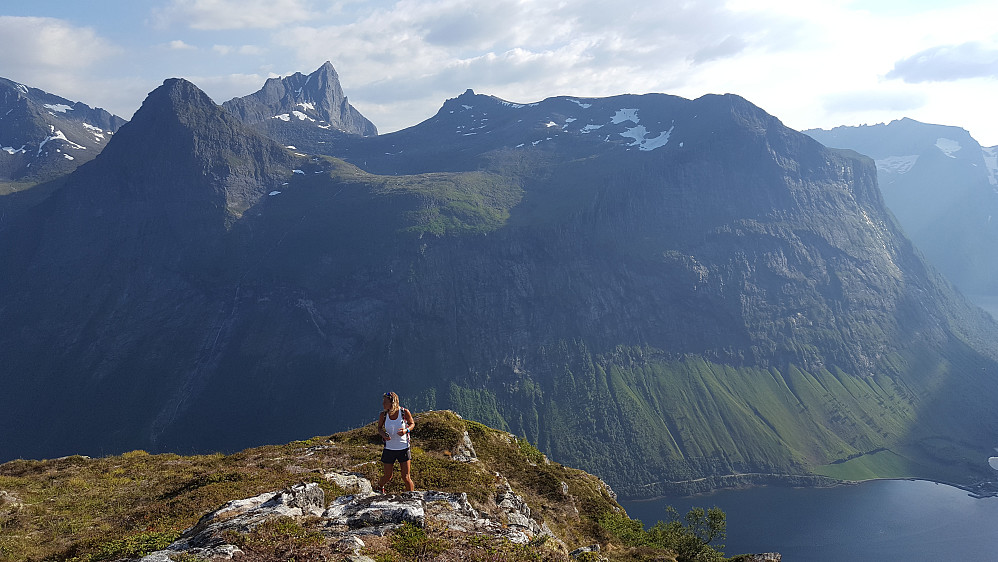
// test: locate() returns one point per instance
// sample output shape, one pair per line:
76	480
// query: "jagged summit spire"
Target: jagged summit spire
315	100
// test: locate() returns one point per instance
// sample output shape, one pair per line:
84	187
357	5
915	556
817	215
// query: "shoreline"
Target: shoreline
978	490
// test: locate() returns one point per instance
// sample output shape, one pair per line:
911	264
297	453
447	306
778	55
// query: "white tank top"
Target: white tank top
397	442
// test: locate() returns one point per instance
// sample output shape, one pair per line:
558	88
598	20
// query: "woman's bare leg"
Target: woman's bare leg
387	476
404	470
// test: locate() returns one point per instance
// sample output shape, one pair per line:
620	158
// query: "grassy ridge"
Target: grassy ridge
84	509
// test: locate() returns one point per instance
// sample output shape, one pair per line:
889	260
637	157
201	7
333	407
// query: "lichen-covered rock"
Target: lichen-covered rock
375	513
466	450
351	517
516	512
205	539
351	482
763	557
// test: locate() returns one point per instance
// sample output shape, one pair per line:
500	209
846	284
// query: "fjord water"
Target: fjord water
877	520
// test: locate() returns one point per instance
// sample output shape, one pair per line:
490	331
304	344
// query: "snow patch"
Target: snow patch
291	147
11	150
468	106
68	157
60	107
896	164
550	124
298	171
590	128
516	105
273	193
993	461
23	88
948	146
306	106
580	104
297	114
97	131
643	141
624	115
58	135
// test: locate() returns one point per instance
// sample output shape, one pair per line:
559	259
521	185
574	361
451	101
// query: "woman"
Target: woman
394	426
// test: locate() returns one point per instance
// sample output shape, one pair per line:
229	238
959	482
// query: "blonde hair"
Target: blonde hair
394	400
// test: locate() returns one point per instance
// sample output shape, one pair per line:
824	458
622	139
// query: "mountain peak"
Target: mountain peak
181	134
43	135
316	101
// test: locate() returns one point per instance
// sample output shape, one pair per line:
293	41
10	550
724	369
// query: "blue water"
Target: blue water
879	520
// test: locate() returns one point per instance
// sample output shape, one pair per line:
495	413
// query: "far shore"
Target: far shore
980	490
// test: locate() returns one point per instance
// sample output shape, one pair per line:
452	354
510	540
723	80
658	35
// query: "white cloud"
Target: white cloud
28	42
179	45
812	63
948	62
526	50
233	14
243	50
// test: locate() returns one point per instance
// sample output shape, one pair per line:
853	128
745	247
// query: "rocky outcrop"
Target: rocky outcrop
205	539
350	518
351	482
465	450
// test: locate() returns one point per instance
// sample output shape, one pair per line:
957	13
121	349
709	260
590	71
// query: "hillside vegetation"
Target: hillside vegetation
83	509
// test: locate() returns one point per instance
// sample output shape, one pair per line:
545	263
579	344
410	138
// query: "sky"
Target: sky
811	63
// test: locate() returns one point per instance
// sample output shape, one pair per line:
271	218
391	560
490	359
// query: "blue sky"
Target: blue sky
809	63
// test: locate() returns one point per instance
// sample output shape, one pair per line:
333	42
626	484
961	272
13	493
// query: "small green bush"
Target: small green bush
413	542
133	546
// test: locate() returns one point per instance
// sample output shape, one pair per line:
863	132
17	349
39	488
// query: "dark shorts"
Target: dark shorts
389	456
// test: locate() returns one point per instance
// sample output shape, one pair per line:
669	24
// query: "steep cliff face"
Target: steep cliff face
652	288
938	182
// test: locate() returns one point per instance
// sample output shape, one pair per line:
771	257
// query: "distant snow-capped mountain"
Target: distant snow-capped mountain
942	186
43	135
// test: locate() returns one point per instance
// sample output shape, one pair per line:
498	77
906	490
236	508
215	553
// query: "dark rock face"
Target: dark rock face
43	136
305	111
652	288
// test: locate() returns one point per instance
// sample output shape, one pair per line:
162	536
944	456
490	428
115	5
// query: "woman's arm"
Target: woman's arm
410	423
381	428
